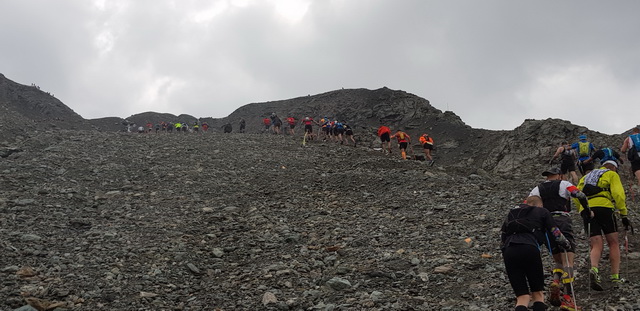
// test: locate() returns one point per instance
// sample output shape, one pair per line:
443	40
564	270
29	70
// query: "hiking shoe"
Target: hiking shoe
555	291
594	280
617	281
568	304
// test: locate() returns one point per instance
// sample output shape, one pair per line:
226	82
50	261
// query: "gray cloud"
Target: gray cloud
494	63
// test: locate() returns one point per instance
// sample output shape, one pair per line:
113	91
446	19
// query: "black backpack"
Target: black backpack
517	221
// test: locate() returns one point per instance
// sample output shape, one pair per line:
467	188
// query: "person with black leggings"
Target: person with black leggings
522	234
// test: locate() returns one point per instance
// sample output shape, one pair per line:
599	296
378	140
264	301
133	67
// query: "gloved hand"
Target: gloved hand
626	223
563	243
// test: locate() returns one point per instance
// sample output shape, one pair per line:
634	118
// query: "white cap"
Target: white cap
614	163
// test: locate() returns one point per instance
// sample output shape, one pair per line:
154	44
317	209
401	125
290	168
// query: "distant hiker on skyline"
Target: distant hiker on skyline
584	149
522	235
205	127
243	124
292	124
348	134
384	133
631	146
606	195
267	124
308	127
567	161
427	146
276	122
403	142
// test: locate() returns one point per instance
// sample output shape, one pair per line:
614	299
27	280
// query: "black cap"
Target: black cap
552	171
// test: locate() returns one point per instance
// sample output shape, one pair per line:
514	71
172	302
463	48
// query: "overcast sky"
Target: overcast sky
494	63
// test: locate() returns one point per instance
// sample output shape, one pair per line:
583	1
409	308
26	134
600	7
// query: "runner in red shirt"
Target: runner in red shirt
385	137
292	124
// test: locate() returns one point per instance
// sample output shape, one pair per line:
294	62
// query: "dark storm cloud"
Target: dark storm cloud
494	63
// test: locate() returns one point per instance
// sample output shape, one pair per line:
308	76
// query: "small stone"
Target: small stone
193	268
338	283
443	269
269	298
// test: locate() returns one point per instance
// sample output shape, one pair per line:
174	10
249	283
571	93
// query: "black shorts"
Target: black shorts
635	166
587	167
292	126
567	166
340	131
308	128
385	138
403	145
349	132
267	126
603	221
524	268
563	221
326	129
427	146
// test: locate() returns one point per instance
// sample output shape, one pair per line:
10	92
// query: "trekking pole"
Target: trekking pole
575	301
589	257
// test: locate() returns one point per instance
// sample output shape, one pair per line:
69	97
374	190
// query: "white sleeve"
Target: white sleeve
563	192
535	192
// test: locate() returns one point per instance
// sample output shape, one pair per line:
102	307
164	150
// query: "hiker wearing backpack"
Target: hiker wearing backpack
584	149
292	124
267	124
605	193
605	154
522	235
403	142
384	133
631	146
348	134
427	146
567	161
556	195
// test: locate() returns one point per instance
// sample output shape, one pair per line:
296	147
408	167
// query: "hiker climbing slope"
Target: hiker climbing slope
605	193
556	195
567	161
584	149
427	146
403	142
384	133
522	234
631	146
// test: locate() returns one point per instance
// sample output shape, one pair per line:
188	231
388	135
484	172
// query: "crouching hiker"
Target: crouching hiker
522	234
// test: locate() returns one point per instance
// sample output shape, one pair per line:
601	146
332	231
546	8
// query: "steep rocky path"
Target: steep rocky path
114	221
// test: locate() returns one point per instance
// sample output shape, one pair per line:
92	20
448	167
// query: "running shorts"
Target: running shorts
385	138
603	221
524	267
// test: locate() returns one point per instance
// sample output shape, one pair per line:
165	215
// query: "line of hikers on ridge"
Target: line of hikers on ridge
545	219
335	130
166	127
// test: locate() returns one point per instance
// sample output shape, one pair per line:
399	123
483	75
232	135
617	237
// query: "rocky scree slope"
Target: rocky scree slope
112	221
